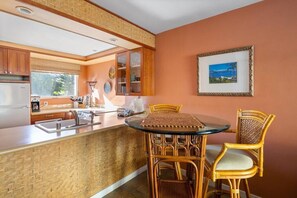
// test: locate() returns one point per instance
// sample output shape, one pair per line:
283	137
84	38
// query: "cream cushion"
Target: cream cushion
232	160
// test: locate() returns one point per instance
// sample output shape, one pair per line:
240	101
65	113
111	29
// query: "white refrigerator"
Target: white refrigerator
14	104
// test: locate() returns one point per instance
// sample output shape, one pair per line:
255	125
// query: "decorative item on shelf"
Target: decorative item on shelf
87	101
107	87
76	101
123	89
75	104
92	87
133	77
111	72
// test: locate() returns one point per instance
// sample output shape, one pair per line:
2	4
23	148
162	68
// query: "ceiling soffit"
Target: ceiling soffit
65	57
85	12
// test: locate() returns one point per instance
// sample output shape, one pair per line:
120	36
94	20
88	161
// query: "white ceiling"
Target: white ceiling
158	16
31	33
154	15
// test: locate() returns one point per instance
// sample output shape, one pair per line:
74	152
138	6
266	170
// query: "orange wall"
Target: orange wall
99	72
82	81
271	27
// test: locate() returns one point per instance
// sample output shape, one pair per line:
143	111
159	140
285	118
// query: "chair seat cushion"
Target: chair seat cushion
232	160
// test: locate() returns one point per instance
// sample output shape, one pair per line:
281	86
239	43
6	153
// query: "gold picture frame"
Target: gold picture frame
226	73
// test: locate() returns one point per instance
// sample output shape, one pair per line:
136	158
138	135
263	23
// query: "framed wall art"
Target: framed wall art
226	73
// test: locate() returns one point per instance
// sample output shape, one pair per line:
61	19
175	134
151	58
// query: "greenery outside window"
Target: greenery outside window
52	84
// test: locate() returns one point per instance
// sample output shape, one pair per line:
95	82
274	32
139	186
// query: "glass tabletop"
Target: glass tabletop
211	125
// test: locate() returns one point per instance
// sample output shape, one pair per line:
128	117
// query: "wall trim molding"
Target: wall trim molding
119	183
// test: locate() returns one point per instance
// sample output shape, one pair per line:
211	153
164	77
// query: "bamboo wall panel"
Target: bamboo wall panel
83	10
78	167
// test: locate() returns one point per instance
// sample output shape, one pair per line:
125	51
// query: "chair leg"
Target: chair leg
247	189
218	188
178	171
205	190
234	188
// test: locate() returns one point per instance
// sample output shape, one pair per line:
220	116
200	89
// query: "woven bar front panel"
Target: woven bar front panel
77	167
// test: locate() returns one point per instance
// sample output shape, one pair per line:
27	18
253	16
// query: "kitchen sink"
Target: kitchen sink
63	125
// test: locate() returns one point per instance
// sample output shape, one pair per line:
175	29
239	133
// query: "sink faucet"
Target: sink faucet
75	115
92	116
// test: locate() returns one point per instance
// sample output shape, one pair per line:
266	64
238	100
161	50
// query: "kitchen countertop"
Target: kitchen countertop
18	138
60	110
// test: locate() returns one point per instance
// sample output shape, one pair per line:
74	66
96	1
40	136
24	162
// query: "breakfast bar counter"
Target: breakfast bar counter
60	110
74	163
17	138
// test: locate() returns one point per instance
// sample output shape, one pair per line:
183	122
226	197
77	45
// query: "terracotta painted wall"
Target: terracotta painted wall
271	27
99	72
82	89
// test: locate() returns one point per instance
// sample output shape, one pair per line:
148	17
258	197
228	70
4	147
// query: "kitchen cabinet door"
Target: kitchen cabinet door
135	72
18	62
3	61
121	74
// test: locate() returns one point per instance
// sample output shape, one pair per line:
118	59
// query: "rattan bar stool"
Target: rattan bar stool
188	152
241	160
157	108
165	108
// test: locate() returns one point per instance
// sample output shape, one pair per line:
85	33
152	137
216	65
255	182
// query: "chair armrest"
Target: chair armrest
242	146
227	146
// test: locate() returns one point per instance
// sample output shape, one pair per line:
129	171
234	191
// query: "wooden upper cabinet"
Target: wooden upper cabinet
3	61
18	62
135	72
121	73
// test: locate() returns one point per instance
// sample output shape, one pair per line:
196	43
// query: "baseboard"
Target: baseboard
119	183
227	188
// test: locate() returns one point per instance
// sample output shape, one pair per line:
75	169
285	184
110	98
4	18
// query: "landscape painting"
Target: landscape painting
227	72
223	73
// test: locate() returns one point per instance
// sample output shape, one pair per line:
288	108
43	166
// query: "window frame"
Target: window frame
57	97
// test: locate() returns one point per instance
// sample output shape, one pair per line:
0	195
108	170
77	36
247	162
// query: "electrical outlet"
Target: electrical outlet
45	103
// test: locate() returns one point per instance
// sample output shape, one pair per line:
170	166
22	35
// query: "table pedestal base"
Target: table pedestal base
176	150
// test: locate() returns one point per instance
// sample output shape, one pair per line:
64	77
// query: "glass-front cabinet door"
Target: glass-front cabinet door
121	61
135	72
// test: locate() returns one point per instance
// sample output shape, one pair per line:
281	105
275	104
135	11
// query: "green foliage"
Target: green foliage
53	84
221	80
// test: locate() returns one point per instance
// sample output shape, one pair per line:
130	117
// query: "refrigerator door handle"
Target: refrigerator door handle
19	107
24	107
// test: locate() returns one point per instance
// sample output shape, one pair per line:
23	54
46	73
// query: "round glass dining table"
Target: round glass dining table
170	143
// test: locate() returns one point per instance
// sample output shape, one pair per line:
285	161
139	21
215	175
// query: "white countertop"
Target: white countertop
59	110
18	138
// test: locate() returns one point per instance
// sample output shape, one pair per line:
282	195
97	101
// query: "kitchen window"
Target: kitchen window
52	84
